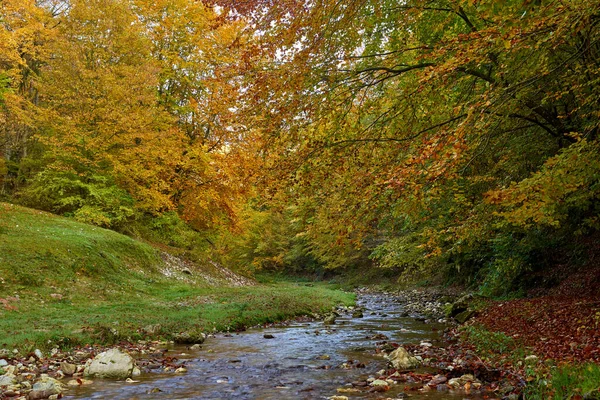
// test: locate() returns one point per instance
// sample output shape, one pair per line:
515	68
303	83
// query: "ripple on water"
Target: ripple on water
249	366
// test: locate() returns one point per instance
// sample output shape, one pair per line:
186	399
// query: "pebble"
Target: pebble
379	382
348	390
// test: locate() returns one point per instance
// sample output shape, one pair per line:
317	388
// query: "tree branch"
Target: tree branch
392	70
414	136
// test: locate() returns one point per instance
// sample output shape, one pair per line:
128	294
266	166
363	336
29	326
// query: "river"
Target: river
303	360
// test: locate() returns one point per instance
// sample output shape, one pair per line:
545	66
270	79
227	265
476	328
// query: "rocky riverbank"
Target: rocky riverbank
452	368
442	365
37	375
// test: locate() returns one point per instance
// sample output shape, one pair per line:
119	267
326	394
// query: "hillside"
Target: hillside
64	283
44	253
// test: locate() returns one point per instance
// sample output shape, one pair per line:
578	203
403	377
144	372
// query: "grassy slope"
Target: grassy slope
63	282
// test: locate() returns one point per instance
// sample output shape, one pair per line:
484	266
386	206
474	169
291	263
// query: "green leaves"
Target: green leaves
91	199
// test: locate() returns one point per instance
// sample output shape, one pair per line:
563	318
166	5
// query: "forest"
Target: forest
456	139
427	172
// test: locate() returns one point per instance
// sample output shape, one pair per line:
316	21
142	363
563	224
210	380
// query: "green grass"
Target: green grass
492	345
67	323
40	250
566	382
63	283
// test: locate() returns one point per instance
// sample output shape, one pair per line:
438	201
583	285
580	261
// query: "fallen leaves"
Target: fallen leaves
556	327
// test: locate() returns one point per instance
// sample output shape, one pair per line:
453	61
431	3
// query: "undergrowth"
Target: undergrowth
565	382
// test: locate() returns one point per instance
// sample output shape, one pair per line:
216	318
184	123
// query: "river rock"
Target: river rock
347	390
458	383
67	368
7	380
357	314
400	359
467	378
79	382
437	380
329	319
379	382
44	388
112	364
3	363
189	337
152	330
454	383
464	316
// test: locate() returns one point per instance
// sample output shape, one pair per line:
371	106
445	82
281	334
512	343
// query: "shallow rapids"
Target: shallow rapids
302	361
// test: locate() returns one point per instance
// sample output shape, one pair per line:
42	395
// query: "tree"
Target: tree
25	32
409	121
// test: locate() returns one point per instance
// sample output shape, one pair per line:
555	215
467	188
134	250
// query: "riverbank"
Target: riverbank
546	346
70	290
302	358
65	284
41	338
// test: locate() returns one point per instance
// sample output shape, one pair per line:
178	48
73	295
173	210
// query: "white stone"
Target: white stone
112	364
7	380
38	353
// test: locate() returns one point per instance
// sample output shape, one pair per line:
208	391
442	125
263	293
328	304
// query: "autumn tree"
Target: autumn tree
25	32
137	113
199	53
433	132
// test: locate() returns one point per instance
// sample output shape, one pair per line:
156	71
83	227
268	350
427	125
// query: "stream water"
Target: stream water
249	366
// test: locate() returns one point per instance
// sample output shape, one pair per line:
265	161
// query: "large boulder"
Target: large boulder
111	364
400	359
